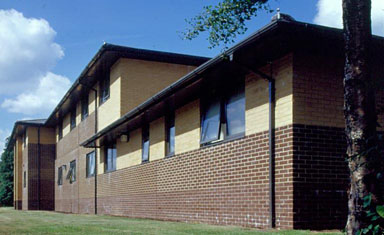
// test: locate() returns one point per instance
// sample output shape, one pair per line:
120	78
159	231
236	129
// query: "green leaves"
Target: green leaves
6	178
380	210
224	21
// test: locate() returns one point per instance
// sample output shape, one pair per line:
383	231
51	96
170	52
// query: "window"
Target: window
73	119
145	144
170	134
60	176
60	130
71	176
84	107
223	116
110	158
25	179
91	166
104	90
25	139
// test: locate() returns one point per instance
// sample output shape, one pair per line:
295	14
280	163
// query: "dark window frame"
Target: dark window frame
169	124
87	159
25	179
222	95
25	139
60	127
72	172
107	167
145	143
73	119
60	176
104	86
84	107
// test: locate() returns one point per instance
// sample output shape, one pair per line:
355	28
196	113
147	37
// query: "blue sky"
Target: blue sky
45	44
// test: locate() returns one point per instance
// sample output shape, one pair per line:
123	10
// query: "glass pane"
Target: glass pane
171	140
235	114
210	124
109	159
145	150
114	155
92	164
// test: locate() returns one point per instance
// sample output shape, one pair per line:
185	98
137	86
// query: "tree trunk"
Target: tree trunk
359	111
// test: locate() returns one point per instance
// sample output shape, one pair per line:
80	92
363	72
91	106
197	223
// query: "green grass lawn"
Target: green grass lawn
40	222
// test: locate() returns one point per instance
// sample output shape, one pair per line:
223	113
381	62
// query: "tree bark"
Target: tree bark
360	114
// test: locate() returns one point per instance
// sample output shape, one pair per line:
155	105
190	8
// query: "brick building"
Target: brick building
252	137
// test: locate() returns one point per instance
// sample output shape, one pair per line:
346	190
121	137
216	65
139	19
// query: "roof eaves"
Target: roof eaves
179	83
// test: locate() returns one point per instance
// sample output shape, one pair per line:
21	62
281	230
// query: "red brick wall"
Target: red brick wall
223	184
45	199
321	177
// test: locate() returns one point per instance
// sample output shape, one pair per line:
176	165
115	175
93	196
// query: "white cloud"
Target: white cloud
329	13
50	90
27	55
27	51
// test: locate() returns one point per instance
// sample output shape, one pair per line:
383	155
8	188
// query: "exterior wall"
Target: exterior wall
321	174
187	127
128	154
110	110
225	183
38	194
256	92
18	174
221	184
77	197
142	79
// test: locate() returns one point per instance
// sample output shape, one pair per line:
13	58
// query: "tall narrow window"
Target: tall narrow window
91	164
60	130
145	144
25	179
72	172
170	134
25	138
110	158
73	119
210	124
104	90
235	113
84	107
60	176
223	115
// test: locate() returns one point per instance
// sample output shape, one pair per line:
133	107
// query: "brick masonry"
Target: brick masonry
222	184
321	177
227	183
40	191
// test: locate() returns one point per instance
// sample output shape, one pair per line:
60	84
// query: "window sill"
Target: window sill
169	155
228	139
105	172
90	176
144	162
101	102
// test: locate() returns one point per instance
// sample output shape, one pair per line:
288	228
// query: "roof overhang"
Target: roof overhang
19	129
269	43
100	65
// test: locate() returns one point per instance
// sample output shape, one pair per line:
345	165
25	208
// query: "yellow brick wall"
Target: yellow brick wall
18	170
66	124
129	153
157	139
187	127
109	111
47	135
256	94
142	79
